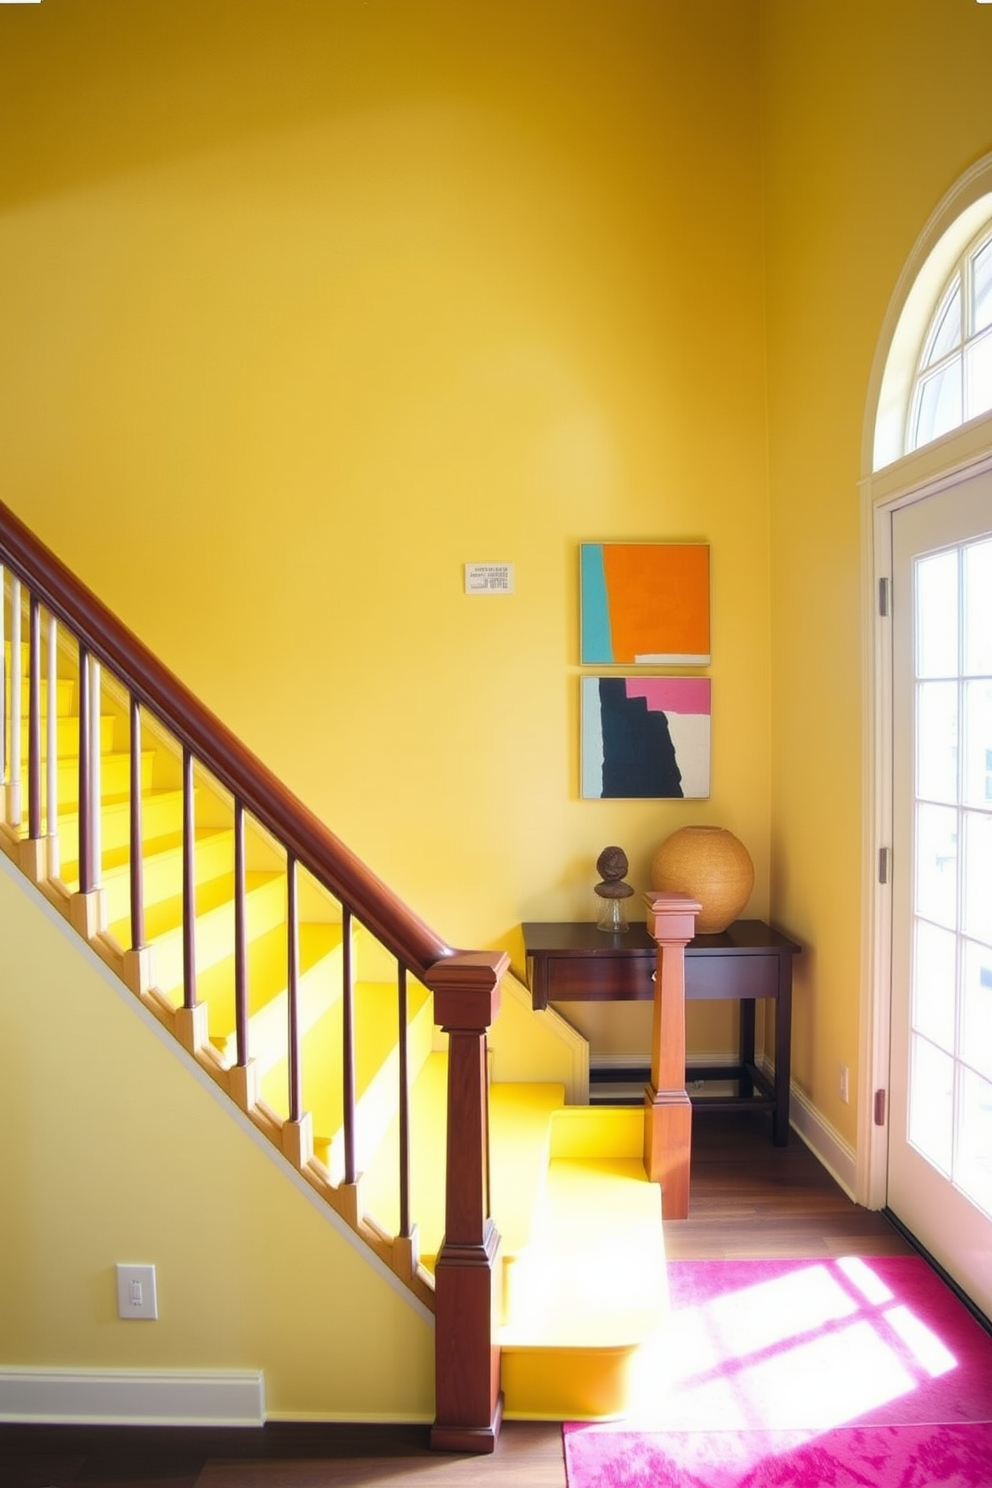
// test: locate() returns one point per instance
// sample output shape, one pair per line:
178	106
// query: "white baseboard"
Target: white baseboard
112	1397
839	1159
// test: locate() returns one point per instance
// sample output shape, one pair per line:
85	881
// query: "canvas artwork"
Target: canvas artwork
645	737
645	604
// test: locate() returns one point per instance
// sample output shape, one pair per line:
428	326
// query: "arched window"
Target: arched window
933	368
953	380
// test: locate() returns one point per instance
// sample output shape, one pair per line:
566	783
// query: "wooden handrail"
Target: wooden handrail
195	727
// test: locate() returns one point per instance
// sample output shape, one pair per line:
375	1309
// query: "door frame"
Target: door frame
914	479
890	480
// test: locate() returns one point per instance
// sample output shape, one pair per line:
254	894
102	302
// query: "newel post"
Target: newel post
671	920
467	1291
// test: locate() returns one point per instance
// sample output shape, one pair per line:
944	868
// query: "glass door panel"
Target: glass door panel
940	1129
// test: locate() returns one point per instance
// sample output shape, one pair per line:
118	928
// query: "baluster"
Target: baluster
191	1018
87	909
95	765
242	1080
348	1046
405	1244
297	1132
404	1101
14	774
87	872
34	719
4	672
3	679
96	768
240	938
137	960
137	845
52	724
189	884
89	773
292	990
32	856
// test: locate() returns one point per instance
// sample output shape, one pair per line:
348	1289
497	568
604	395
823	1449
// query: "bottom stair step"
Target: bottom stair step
585	1293
587	1299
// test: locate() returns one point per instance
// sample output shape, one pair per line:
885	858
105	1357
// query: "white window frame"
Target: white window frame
929	369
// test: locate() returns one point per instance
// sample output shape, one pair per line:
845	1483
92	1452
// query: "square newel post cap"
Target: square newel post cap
671	918
466	988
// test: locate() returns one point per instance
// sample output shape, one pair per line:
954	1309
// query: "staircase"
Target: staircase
315	1005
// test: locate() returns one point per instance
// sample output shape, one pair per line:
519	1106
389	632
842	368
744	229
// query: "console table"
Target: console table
575	962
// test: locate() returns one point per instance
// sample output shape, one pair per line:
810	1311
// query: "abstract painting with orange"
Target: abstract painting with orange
645	604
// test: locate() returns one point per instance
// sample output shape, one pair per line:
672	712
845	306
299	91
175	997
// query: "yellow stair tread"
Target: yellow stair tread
267	963
118	859
594	1274
215	893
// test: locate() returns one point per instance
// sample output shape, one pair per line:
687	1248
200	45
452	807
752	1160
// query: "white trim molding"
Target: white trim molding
117	1397
836	1155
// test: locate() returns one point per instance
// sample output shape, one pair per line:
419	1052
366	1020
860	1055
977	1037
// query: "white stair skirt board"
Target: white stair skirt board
106	1397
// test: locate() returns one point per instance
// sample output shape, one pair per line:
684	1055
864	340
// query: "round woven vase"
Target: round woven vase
713	866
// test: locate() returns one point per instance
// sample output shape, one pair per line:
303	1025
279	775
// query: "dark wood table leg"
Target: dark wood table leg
745	1083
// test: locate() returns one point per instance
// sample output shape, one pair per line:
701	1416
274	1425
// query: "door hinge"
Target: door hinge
883	597
883	865
879	1107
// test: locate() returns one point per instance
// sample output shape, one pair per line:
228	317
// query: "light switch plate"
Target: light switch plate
136	1293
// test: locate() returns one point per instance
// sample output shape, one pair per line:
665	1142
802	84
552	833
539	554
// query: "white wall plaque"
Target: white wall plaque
489	578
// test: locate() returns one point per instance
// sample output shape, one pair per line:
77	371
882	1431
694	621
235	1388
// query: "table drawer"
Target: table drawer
594	978
723	976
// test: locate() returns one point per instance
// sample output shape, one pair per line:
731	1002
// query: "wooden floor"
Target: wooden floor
748	1198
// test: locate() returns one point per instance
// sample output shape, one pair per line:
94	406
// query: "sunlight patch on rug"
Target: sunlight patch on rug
865	1372
813	1344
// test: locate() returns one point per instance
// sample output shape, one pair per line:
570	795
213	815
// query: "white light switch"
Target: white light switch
136	1295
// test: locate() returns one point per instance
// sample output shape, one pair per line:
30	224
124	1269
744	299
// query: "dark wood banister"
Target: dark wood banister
465	984
194	726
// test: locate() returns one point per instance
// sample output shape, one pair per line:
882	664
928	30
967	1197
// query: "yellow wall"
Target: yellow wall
870	113
113	1151
305	305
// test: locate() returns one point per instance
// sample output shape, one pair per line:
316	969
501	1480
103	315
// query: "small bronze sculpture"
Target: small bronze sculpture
612	865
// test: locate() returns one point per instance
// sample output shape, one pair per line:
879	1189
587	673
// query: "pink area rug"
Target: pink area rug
847	1373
